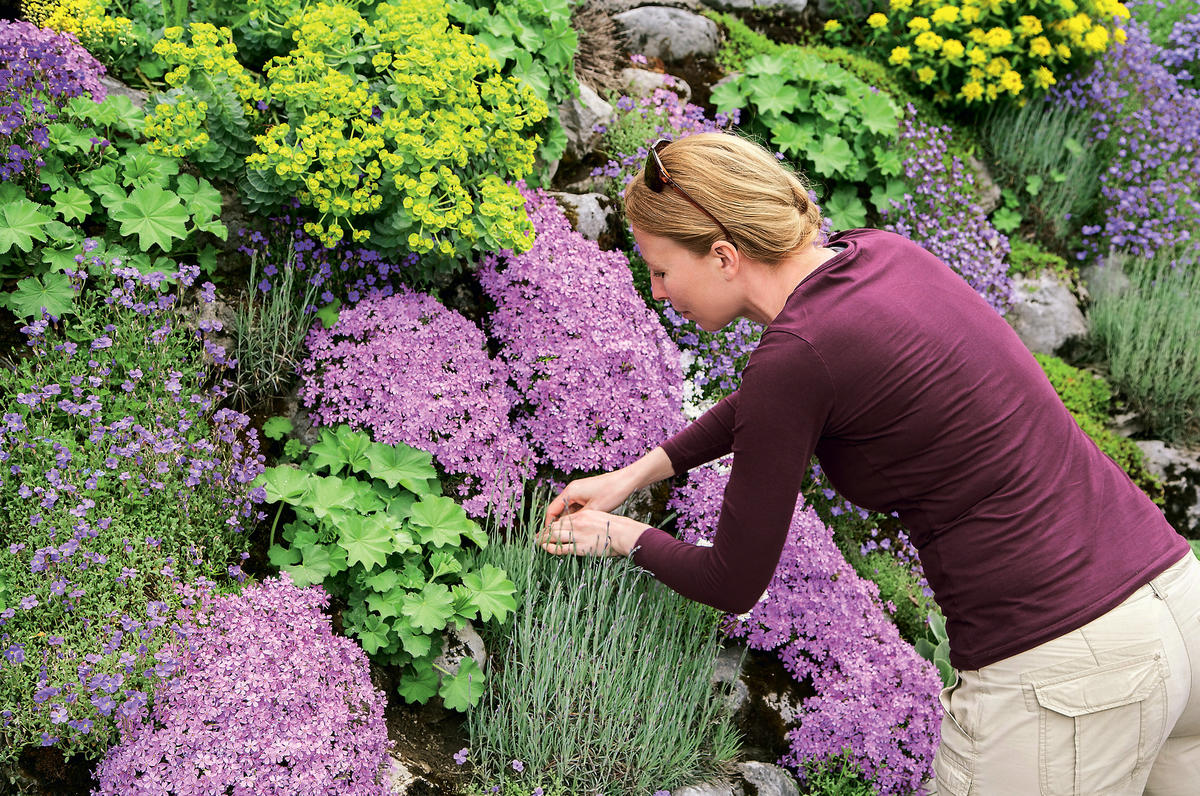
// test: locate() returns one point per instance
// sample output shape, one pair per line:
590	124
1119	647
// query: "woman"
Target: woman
1073	608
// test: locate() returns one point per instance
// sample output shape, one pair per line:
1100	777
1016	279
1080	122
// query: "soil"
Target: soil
426	738
764	732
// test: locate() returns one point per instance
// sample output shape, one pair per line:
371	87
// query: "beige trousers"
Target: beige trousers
1112	708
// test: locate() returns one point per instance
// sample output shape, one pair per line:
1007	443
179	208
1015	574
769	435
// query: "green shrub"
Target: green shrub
900	585
617	664
1028	258
1087	397
837	776
1045	152
1147	334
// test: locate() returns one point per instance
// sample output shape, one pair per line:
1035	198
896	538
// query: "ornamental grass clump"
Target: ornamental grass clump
977	52
598	380
602	682
119	477
263	699
874	694
1148	124
40	70
940	212
407	369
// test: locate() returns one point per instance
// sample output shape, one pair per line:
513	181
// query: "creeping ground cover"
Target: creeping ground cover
307	306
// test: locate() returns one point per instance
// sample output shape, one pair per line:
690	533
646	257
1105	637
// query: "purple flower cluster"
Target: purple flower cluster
40	70
874	694
643	120
1182	56
115	482
598	378
941	213
343	272
410	370
260	697
1150	123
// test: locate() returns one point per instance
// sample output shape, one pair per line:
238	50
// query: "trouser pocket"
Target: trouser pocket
954	763
1101	723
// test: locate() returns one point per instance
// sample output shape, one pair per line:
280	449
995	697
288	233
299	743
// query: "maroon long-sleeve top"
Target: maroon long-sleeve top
918	398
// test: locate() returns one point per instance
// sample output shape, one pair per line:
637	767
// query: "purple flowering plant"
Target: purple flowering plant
874	694
940	212
377	533
1146	117
598	381
258	696
408	369
119	477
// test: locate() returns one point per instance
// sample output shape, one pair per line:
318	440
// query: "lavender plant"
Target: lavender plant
874	695
616	663
1148	122
386	512
939	211
258	696
567	314
120	478
410	370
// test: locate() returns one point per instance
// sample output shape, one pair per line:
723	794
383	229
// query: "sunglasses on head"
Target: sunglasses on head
657	178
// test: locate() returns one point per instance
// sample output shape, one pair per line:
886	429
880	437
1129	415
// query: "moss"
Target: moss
1029	258
1087	397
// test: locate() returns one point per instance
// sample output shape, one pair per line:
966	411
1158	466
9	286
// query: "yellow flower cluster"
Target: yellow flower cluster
88	20
982	50
177	129
403	142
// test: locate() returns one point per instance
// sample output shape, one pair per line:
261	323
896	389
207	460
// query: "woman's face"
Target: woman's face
697	287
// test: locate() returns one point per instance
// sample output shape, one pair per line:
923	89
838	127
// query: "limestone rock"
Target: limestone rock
769	779
457	644
1179	470
579	117
671	34
728	673
114	86
589	213
643	82
986	189
1045	313
722	788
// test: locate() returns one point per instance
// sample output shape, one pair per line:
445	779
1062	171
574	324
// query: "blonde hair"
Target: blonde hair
764	205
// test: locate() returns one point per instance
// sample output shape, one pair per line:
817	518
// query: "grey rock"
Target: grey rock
1179	469
769	779
1127	424
721	788
116	87
579	118
643	82
785	6
1104	278
303	429
589	213
585	185
458	644
728	674
671	34
1045	313
987	192
402	780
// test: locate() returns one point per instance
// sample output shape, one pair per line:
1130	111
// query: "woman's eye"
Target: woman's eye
657	274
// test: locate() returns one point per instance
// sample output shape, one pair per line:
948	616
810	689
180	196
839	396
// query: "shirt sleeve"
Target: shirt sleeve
785	403
709	437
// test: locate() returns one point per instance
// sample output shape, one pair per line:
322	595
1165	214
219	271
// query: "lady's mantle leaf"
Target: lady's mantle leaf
52	292
440	521
373	633
430	608
73	204
155	215
21	223
328	495
491	592
367	540
464	689
400	464
284	483
419	687
343	447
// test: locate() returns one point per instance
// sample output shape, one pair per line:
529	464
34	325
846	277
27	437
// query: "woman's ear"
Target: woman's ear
730	257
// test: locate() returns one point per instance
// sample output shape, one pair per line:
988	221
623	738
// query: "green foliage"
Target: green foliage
936	648
823	117
104	183
616	663
533	41
381	538
1045	152
1147	333
1028	258
1087	397
397	128
900	585
837	776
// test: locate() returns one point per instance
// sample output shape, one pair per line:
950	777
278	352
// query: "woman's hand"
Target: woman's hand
591	532
599	492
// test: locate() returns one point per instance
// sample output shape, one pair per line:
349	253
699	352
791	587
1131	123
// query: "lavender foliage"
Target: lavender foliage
260	697
940	212
40	70
597	378
119	477
407	369
874	694
1149	119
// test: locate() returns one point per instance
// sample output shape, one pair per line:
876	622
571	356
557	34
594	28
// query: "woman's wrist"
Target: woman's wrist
650	469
